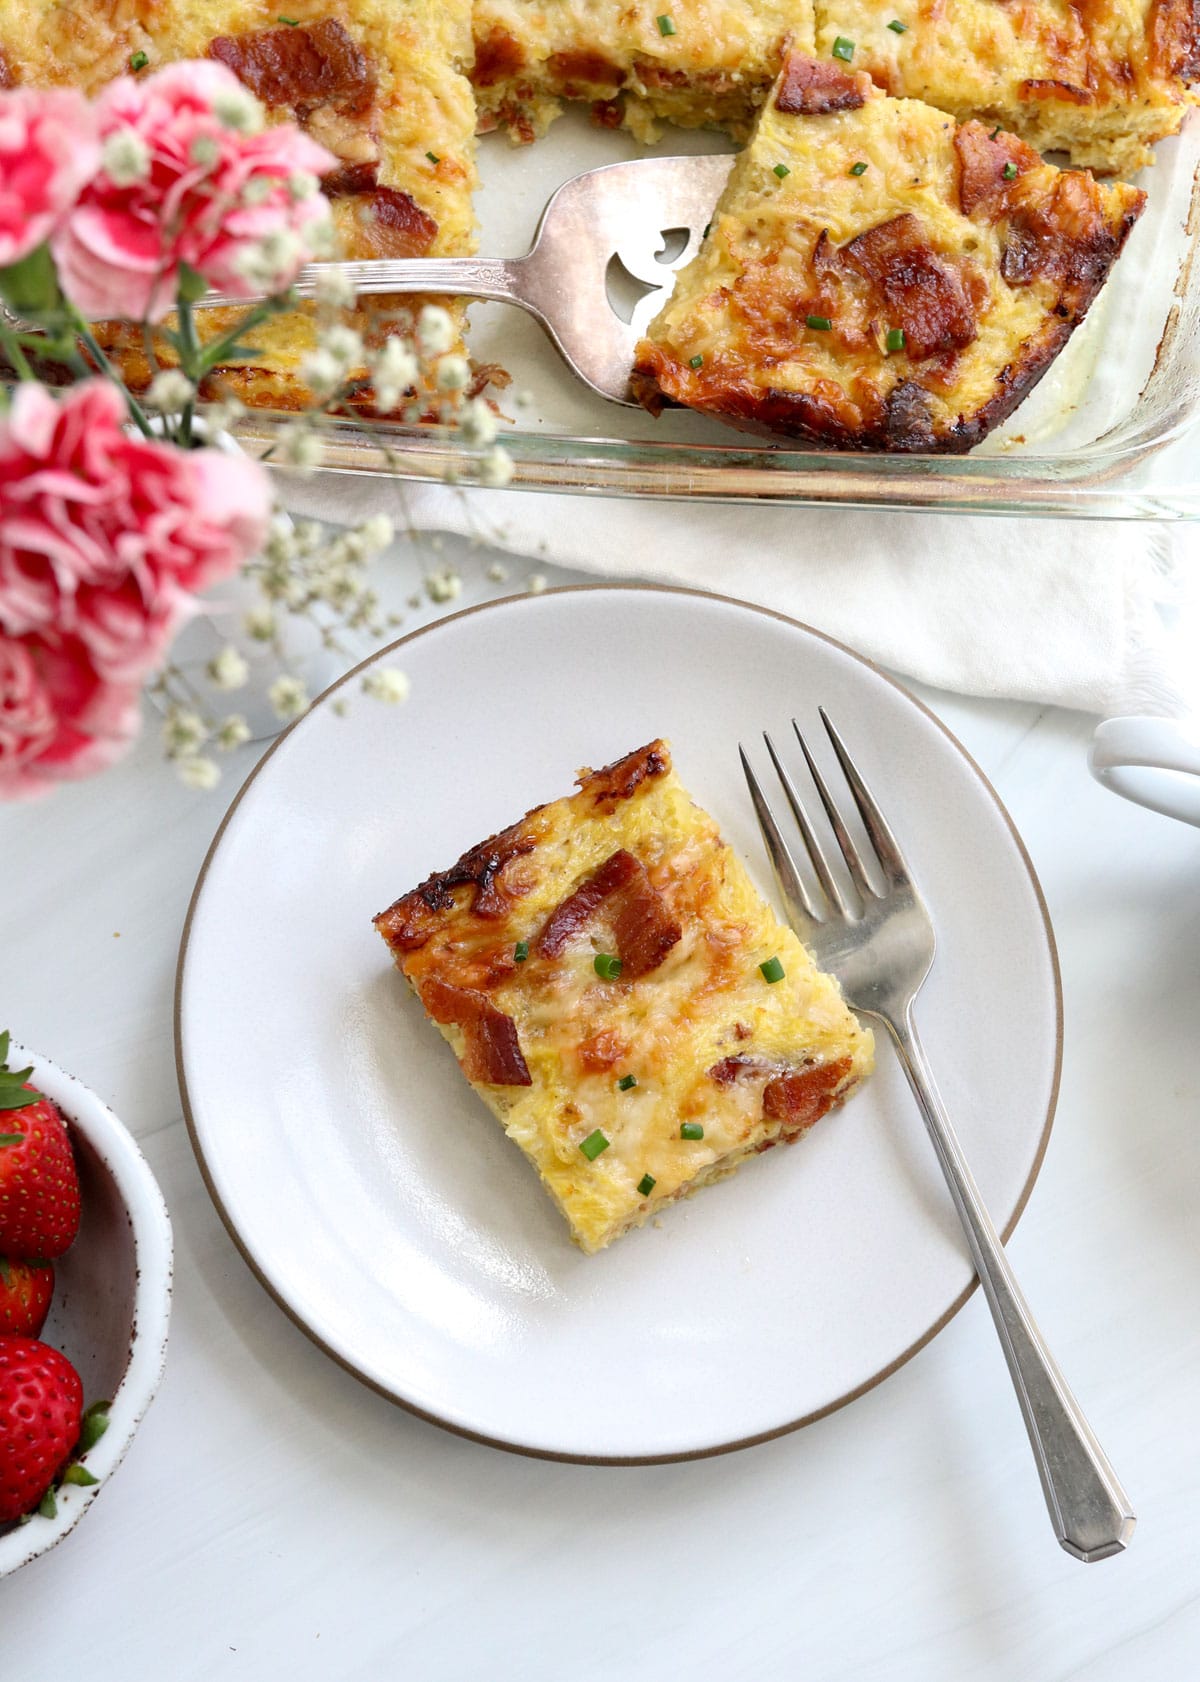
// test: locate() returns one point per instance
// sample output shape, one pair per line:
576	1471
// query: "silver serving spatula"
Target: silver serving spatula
627	211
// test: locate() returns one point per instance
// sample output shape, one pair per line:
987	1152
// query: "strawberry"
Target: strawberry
25	1292
41	1407
39	1188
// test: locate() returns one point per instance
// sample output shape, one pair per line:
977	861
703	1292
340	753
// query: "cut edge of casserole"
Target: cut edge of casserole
596	969
876	276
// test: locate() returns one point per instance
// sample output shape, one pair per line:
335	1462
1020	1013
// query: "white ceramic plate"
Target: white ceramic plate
382	1205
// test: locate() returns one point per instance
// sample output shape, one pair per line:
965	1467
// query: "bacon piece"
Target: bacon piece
592	69
1043	87
920	291
619	780
1065	236
497	56
492	1052
730	1069
396	226
579	907
349	179
1173	31
409	922
982	160
812	87
799	1098
643	929
320	64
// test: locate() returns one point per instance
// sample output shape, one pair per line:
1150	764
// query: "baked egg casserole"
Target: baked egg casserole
623	1000
878	276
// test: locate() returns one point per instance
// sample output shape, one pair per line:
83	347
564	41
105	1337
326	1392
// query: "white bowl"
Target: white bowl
112	1297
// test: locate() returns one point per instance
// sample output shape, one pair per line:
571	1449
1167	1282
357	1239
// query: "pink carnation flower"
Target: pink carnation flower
48	149
104	538
182	184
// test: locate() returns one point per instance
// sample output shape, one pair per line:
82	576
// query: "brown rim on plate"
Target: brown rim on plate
624	1459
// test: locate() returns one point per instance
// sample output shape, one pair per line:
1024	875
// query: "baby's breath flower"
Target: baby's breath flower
259	623
536	583
126	157
204	151
496	468
333	289
443	585
288	697
228	669
386	683
221	416
302	184
435	330
394	372
309	536
321	372
198	771
343	344
169	391
258	189
238	109
477	424
299	446
267	262
377	532
183	731
497	573
523	399
322	237
453	373
232	733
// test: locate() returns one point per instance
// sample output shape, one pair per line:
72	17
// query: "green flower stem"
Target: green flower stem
88	338
189	361
12	350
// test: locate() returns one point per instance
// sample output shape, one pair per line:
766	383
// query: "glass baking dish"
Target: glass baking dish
1112	431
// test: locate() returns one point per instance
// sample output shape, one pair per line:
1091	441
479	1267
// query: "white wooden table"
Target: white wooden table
276	1520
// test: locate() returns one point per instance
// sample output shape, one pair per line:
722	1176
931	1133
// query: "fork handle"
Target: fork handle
497	278
1089	1510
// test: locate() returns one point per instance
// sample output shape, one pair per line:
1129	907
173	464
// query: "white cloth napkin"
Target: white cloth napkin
1066	611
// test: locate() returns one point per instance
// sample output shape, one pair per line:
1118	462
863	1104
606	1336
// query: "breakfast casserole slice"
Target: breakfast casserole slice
689	62
1096	79
379	83
622	999
877	276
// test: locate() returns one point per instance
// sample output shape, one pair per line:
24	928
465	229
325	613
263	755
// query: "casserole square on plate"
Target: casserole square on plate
623	1000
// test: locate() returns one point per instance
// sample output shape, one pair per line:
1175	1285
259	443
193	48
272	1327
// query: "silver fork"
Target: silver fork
881	957
620	210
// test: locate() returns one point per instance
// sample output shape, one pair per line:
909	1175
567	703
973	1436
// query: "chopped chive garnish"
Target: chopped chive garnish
707	230
606	966
646	1185
695	362
994	132
627	1083
292	23
433	157
772	970
138	61
781	170
691	1130
895	338
818	323
594	1144
520	951
897	27
843	49
1009	172
859	168
665	25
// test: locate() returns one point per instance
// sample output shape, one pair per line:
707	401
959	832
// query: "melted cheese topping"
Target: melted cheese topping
734	338
580	1034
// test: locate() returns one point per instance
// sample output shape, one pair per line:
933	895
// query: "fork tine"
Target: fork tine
841	834
824	874
791	885
886	846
